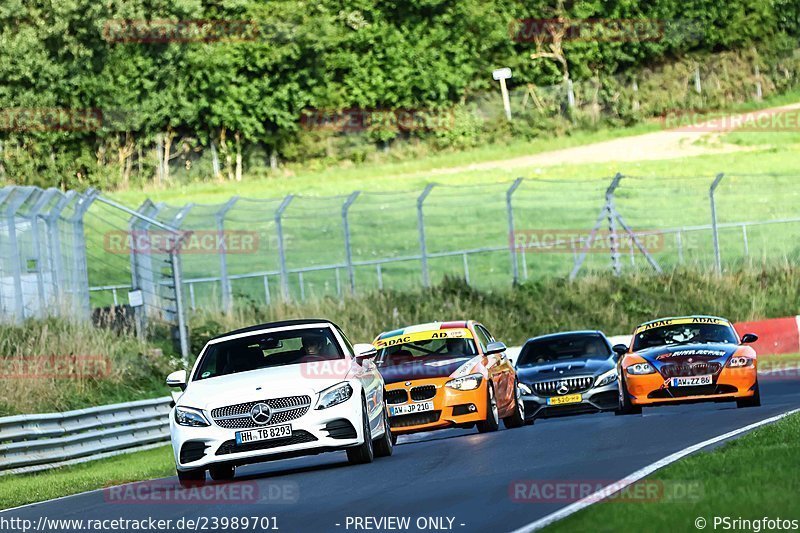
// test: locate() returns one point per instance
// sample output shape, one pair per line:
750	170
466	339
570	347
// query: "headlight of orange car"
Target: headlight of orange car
740	362
640	369
471	382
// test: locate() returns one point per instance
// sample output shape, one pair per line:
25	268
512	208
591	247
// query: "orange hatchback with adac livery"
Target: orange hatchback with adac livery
447	374
687	359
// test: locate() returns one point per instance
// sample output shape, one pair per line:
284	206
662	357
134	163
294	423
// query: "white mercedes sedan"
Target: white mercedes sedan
275	391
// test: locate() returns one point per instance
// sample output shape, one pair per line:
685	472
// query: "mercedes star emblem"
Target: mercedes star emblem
261	413
563	388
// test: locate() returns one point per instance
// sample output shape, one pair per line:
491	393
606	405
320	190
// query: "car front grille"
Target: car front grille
560	387
689	369
423	392
283	410
414	419
298	437
396	396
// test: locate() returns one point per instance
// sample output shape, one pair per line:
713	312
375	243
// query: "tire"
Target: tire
191	478
384	446
363	453
492	422
625	405
394	439
753	401
517	420
222	472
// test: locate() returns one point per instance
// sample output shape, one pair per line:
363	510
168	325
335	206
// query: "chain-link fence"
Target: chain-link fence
84	255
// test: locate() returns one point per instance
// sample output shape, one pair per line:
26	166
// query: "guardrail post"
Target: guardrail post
225	282
281	249
348	250
512	246
714	228
423	248
612	224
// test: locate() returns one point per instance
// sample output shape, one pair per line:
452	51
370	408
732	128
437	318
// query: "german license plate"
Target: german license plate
562	400
692	381
410	408
268	433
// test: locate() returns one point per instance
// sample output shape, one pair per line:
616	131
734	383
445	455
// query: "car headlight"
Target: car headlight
606	378
640	369
335	395
471	382
525	389
740	362
188	416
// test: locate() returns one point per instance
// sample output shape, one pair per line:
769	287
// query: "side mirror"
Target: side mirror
364	351
177	379
747	338
620	349
495	347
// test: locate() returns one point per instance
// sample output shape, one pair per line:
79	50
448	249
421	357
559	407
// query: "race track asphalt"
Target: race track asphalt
456	475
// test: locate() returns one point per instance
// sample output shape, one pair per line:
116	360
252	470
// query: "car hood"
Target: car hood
564	369
688	353
440	368
255	385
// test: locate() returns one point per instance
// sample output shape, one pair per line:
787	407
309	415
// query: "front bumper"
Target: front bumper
728	384
317	431
451	408
594	400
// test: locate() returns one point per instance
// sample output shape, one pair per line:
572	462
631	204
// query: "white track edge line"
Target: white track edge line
613	488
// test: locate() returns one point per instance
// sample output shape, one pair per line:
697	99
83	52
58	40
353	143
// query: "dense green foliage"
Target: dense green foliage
245	81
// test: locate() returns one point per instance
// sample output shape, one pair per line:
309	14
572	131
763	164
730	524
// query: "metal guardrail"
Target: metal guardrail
43	439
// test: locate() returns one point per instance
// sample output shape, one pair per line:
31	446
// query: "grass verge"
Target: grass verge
749	478
22	489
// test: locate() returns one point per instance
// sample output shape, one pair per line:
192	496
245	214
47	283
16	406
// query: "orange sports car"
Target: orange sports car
447	374
687	359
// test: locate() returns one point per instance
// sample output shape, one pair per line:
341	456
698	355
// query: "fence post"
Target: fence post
281	250
79	252
714	228
225	282
423	248
177	280
16	197
348	250
512	247
35	214
56	254
612	224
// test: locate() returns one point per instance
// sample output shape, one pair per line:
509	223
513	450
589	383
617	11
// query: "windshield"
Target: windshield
428	350
677	334
564	348
268	350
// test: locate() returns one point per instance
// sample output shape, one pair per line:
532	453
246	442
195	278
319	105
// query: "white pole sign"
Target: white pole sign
502	74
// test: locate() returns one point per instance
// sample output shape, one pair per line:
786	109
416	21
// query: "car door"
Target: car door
503	375
372	383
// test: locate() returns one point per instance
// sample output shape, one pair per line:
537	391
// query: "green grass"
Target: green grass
22	489
751	477
467	211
